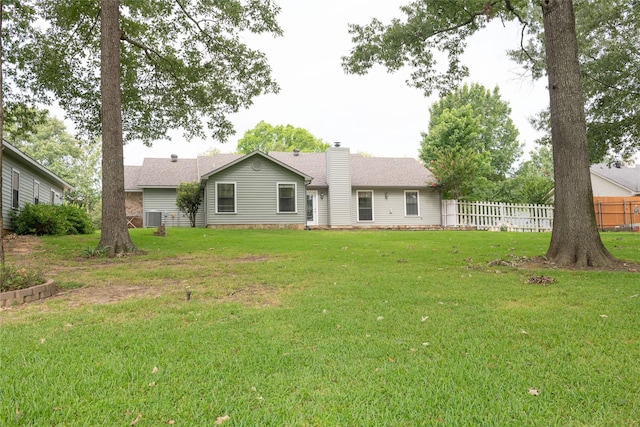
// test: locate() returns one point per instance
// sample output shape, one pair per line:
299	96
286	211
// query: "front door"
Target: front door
312	208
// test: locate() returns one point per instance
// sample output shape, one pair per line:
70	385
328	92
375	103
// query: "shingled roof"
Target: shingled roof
625	177
131	175
365	171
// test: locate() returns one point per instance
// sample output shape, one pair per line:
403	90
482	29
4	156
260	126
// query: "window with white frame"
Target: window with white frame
36	192
365	205
15	189
411	205
287	197
225	197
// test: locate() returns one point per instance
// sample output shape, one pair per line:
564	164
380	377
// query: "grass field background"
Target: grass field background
326	328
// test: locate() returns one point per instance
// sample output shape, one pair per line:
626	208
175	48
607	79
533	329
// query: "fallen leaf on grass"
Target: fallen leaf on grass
137	420
534	391
380	318
541	280
154	370
171	422
522	331
424	318
604	316
221	420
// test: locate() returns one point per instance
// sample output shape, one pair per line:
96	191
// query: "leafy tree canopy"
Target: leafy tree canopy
533	181
266	138
609	54
471	121
494	131
183	63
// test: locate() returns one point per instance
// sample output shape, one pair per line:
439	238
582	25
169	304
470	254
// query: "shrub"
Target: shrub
51	220
14	278
78	219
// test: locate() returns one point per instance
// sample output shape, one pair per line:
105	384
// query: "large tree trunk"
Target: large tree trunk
574	239
115	234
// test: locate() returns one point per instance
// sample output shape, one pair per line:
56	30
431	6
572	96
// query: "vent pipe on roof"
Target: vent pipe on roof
337	144
296	151
174	158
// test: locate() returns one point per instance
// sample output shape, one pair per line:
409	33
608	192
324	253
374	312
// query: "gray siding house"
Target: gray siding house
26	181
334	189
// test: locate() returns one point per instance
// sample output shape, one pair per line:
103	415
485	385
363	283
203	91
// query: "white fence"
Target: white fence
497	216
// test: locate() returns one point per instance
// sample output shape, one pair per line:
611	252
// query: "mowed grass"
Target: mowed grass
324	328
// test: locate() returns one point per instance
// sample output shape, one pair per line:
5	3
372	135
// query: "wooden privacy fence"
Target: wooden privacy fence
615	213
497	216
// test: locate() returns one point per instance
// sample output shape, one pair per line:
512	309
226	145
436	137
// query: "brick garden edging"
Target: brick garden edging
31	294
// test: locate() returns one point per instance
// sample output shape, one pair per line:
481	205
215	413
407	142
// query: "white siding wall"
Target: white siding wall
164	200
603	187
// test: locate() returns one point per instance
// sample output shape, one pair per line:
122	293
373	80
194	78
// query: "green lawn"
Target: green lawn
326	328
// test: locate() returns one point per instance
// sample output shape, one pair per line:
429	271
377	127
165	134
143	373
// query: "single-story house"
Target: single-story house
616	196
334	189
26	181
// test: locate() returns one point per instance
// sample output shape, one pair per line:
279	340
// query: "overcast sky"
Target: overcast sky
376	113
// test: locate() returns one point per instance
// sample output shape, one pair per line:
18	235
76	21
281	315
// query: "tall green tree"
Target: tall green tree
266	137
609	54
179	65
476	120
444	26
189	199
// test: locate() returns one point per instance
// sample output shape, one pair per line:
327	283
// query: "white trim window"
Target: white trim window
226	198
287	200
36	192
15	189
365	205
411	203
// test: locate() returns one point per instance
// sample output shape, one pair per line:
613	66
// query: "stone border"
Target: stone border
31	294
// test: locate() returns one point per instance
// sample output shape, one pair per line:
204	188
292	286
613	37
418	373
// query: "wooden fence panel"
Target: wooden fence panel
617	212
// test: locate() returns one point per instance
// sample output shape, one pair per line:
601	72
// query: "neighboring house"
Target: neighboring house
26	181
615	180
616	196
335	189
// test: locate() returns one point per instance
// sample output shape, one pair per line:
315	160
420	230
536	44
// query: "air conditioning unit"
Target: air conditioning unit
153	219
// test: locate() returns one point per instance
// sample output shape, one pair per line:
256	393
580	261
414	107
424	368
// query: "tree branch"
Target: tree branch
148	51
509	6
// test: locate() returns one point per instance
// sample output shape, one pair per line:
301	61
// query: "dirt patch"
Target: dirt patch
21	245
108	294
